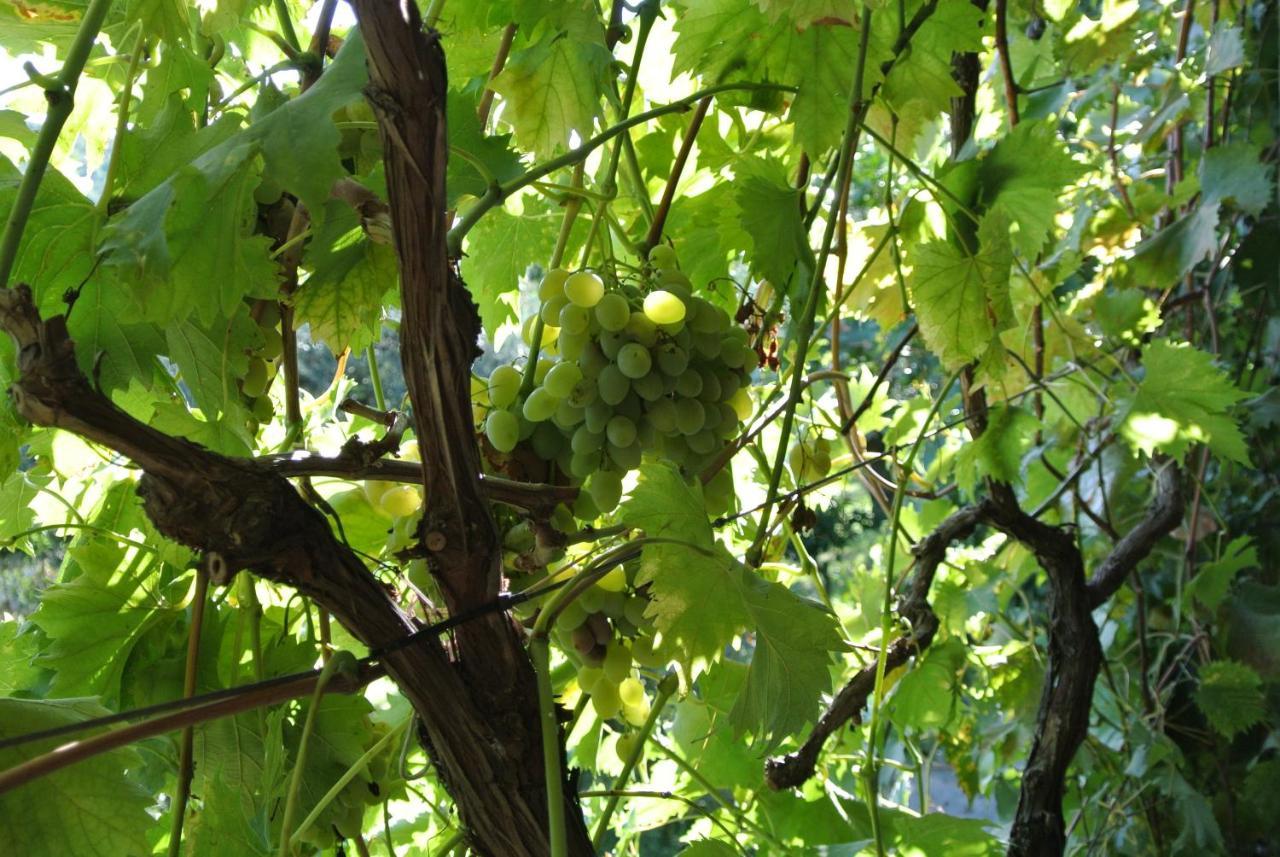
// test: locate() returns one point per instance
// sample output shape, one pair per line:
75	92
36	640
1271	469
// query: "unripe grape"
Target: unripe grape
254	383
611	343
740	401
613	385
584	289
561	379
263	409
400	501
663	307
504	386
572	344
707	345
272	343
642	329
574	318
633	612
673	278
703	316
710	414
552	284
621	431
728	427
540	371
631	691
648	387
616	578
589	677
690	416
606	490
634	360
647	653
617	662
672	359
526	425
583	465
612	312
503	429
636	715
598	414
584	392
733	353
547	441
710	386
629	744
632	407
625	457
662	256
540	405
551	309
662	416
689	384
703	442
592	360
584	507
567	416
604	699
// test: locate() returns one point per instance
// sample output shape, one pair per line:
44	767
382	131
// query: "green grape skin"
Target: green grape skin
710	414
621	431
552	284
592	360
663	307
728	427
574	319
719	492
254	383
605	487
400	501
263	409
503	429
689	385
583	465
584	289
617	662
707	345
662	416
646	437
690	416
551	308
646	653
585	440
636	715
632	407
626	457
662	256
672	277
710	385
648	387
631	690
598	414
633	612
629	744
733	353
547	442
584	506
612	312
611	343
672	359
540	371
504	386
572	344
584	392
526	425
272	343
642	329
605	700
589	677
703	442
741	404
268	191
615	580
567	416
634	360
540	405
613	385
703	316
561	379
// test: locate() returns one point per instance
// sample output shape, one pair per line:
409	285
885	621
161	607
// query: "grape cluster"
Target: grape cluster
261	372
810	459
630	369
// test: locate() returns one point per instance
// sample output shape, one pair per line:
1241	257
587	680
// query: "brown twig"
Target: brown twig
499	60
185	752
1006	65
654	235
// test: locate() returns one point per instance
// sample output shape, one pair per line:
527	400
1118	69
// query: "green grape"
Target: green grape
547	441
519	538
647	653
626	457
583	465
572	344
551	307
268	191
729	383
504	386
675	279
689	416
526	425
613	385
584	288
740	401
672	359
636	715
612	312
263	409
632	407
662	256
615	580
633	612
646	437
621	431
254	383
703	442
631	690
617	662
605	700
540	405
552	284
567	416
561	379
707	345
400	501
598	415
733	353
589	677
584	507
710	413
272	343
592	360
605	487
648	387
663	307
641	329
689	385
540	371
703	316
710	385
719	491
662	416
503	430
574	318
611	342
634	360
629	744
728	427
584	393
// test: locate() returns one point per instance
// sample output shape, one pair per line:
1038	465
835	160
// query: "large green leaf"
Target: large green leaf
1230	696
498	252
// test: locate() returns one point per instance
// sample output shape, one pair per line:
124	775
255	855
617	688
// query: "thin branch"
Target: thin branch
1163	515
1006	66
499	60
673	178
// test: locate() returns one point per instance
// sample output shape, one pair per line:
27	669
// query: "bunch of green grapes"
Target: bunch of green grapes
262	364
810	459
601	631
634	370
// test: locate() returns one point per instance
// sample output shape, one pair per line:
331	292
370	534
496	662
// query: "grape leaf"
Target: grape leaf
1230	696
708	848
928	695
770	214
1235	171
998	450
1213	579
1224	50
1183	399
152	153
17	654
474	150
498	252
1165	257
109	347
96	807
1025	174
819	109
211	361
552	90
962	300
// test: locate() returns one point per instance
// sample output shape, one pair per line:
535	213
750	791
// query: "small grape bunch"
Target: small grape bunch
810	459
261	371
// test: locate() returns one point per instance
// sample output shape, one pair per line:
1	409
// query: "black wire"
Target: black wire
501	603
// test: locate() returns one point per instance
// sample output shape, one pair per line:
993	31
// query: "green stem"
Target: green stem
711	790
335	664
122	123
666	687
886	613
61	98
286	27
186	750
375	379
433	14
498	192
848	143
540	652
